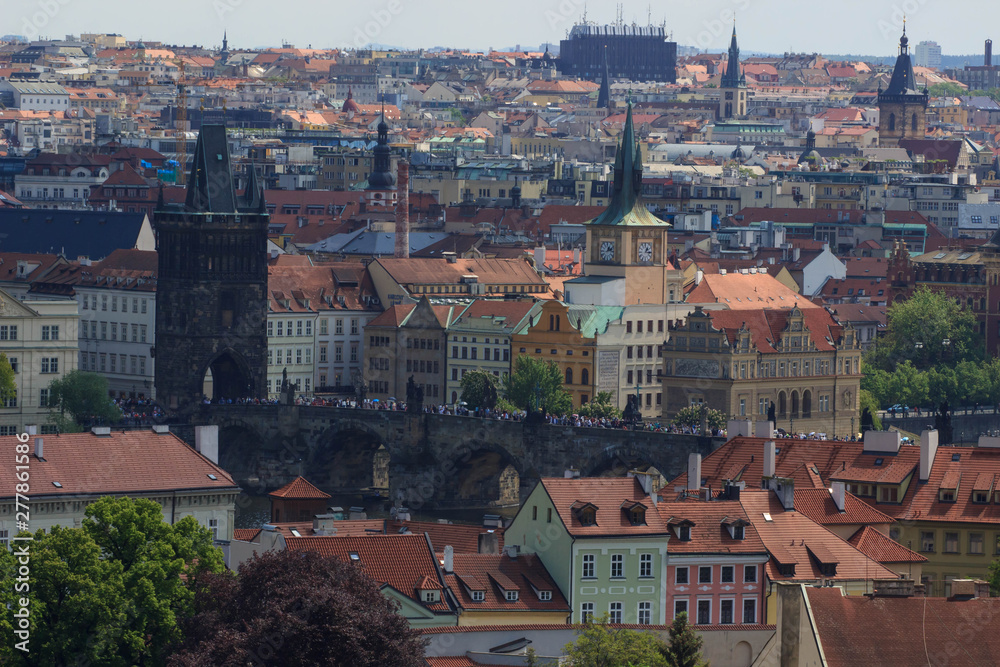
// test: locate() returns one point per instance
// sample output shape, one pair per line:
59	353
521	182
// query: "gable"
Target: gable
408	608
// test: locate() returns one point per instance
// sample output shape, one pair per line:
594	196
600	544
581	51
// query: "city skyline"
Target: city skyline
763	25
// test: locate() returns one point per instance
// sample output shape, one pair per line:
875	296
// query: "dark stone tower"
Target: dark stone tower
604	94
382	177
733	87
902	108
211	303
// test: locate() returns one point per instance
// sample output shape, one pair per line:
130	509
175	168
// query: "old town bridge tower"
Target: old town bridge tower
211	303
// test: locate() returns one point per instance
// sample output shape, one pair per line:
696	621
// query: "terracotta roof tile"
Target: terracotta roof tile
738	291
299	487
119	463
708	533
818	505
463	538
245	534
882	548
400	561
607	495
858	630
496	574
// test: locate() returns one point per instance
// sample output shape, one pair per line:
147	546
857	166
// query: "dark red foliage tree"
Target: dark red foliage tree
294	608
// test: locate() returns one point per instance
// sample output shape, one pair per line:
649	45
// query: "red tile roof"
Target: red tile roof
818	505
463	538
708	533
767	326
607	494
400	561
973	467
496	574
793	538
882	548
739	291
858	630
119	463
245	534
299	487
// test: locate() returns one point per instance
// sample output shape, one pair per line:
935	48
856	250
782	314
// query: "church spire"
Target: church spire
604	95
733	77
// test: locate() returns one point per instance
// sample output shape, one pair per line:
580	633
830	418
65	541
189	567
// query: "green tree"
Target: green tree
993	576
691	416
908	385
947	89
684	647
876	382
163	566
78	603
79	396
297	609
601	407
942	384
537	385
598	645
8	381
479	389
928	328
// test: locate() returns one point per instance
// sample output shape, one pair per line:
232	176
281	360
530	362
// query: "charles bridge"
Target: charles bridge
424	459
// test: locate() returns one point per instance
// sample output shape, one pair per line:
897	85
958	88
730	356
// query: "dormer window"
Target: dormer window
478	596
737	532
684	533
947	495
635	513
544	596
430	596
586	513
681	528
510	596
736	527
980	497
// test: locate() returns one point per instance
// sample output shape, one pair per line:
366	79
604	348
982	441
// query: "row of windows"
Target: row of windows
726	610
139	305
473	353
302	356
648	349
953	543
300	327
297	382
139	331
649	326
727	573
422	366
423	343
113	363
644	613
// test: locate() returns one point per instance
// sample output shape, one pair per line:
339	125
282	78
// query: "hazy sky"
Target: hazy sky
837	26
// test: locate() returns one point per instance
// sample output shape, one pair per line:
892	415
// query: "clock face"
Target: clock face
608	251
646	252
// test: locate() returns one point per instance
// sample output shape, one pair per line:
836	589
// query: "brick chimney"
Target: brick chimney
403	210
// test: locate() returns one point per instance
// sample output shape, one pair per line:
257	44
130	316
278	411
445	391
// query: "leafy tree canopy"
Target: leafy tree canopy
537	385
297	609
601	407
480	390
684	647
598	645
691	416
82	396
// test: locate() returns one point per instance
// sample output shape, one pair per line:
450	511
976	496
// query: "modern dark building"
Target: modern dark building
902	108
211	301
979	77
633	52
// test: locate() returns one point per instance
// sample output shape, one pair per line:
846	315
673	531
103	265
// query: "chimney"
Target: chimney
928	448
785	488
694	471
449	559
38	447
837	491
796	253
403	210
510	550
988	58
206	441
32	429
893	588
698	277
769	458
489	543
540	258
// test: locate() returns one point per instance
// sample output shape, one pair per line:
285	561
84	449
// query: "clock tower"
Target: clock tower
626	241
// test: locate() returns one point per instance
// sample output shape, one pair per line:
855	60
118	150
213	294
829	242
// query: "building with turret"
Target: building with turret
733	87
902	108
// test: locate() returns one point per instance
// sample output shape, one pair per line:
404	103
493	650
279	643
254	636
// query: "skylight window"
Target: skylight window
212	477
879	461
354	556
296	533
956	457
57	485
767	516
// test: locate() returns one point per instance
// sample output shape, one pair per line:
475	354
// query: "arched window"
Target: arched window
807	403
795	404
782	404
913	123
585	376
569	376
892	122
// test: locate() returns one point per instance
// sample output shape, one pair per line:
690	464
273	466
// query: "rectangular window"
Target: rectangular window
298	327
950	542
726	612
323	326
298	355
50	332
142	333
645	565
338	326
43	398
587	612
749	610
704	612
322	354
281	327
135	305
617	566
927	542
749	574
728	574
645	613
50	364
114	304
8	332
615	612
142	365
338	353
681	575
680	607
142	304
588	566
354	327
705	574
976	543
114	363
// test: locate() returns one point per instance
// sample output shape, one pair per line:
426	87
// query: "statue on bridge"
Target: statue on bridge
632	414
771	417
942	422
867	421
414	396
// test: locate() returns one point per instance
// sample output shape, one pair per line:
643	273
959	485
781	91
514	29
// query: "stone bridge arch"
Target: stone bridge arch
352	455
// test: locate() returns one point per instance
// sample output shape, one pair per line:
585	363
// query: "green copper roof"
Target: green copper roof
626	207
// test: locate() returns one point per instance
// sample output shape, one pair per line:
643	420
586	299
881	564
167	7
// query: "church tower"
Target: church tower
902	108
211	294
627	241
382	181
733	87
604	94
